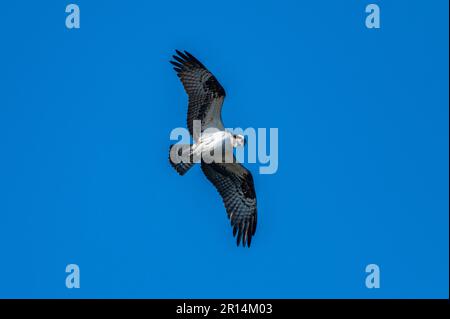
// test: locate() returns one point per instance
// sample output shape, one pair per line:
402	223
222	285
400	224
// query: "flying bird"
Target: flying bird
231	179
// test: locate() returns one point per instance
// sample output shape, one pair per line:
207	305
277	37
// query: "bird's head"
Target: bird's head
238	140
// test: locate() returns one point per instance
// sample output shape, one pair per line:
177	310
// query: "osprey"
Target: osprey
232	180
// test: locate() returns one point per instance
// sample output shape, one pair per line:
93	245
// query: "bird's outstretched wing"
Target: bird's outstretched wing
205	93
235	185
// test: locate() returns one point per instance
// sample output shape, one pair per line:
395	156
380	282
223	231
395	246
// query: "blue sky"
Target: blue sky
85	117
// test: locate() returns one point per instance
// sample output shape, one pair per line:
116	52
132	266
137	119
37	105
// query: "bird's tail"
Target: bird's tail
181	152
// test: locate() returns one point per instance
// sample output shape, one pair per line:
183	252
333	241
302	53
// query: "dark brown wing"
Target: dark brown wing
204	91
235	184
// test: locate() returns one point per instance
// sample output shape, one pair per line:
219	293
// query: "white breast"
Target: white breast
210	141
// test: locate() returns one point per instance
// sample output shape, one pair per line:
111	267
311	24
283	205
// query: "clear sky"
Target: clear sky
85	117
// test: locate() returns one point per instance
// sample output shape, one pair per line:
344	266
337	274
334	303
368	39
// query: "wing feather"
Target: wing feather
235	185
205	93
